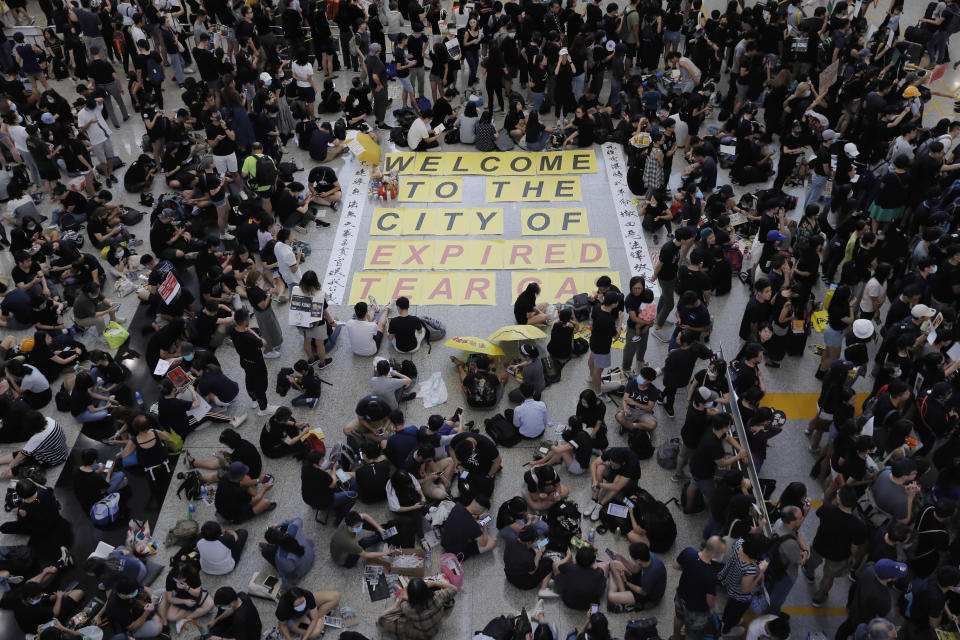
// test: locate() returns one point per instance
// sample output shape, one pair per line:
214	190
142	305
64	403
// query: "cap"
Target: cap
862	328
187	349
911	92
851	150
922	311
706	395
166	212
47	118
830	134
266	78
610	297
27	344
237	470
611	45
887	569
563	51
775	236
374	48
942	389
705	233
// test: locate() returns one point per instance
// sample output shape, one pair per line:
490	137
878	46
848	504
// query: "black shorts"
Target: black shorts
631	50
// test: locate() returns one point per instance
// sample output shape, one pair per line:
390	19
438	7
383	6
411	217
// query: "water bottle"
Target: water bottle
203	494
191	510
593	534
139	399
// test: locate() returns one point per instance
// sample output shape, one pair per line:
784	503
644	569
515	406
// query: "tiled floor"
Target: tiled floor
486	594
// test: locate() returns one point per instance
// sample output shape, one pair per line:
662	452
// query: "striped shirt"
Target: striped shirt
48	447
732	574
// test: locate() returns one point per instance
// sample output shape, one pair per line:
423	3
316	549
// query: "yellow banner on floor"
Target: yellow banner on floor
559	286
431	190
548	221
514	163
535	253
452	221
426	288
538	189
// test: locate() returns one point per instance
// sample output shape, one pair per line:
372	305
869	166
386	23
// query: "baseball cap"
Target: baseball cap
706	395
705	233
374	48
266	78
610	297
187	349
887	569
237	470
862	328
830	134
942	389
775	236
563	51
851	150
166	212
922	311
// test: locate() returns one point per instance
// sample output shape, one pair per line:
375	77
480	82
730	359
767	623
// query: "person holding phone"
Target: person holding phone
185	596
463	533
636	582
93	480
524	564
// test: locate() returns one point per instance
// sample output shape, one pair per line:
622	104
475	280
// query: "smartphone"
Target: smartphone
456	414
594	608
484	521
463	476
388	533
542	543
267	478
628	503
610	553
343	476
108	465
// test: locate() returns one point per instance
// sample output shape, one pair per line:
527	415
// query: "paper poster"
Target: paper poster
199	411
348	230
514	163
537	189
431	190
548	221
169	288
305	311
432	288
355	147
162	367
453	48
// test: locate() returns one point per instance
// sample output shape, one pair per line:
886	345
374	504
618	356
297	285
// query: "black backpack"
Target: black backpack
563	520
283	381
777	567
398	136
62	399
190	487
266	171
551	370
502	431
640	443
482	394
655	517
340	129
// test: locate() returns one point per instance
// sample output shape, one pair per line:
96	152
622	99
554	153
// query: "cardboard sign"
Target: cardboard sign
431	190
451	221
466	254
169	288
546	189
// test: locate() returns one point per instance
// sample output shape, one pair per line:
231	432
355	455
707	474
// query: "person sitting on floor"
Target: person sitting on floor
220	549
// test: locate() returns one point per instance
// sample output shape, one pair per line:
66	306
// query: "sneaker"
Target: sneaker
613	607
659	336
191	255
811	578
537	610
14	579
274	353
231	227
254	404
320	365
547	593
227	236
178	625
669	411
321	223
408	396
66	560
334	206
269	411
595	514
816	603
680	477
313	403
587	510
239	420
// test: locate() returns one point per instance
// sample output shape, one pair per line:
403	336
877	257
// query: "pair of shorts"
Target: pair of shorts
693	621
103	151
631	49
406	84
672	37
226	164
318	332
637	414
601	360
832	337
307	94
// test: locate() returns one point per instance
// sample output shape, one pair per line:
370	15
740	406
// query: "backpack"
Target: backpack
563	522
602	127
398	136
408	369
131	217
502	431
643	629
436	330
551	370
283	381
667	454
777	567
190	486
104	512
286	170
581	306
183	532
640	443
452	136
580	346
346	453
655	517
20	177
266	171
62	399
483	394
154	72
422	104
340	129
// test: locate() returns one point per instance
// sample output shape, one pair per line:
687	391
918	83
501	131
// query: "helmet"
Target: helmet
911	92
26	345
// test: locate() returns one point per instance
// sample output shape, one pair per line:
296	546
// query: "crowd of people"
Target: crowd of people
229	225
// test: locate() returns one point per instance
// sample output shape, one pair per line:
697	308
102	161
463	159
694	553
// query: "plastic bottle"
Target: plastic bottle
191	510
139	399
203	494
593	534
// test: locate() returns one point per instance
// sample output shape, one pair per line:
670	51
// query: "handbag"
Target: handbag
174	442
139	539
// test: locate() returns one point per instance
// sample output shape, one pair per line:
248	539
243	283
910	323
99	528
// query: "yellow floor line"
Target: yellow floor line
799	406
815	611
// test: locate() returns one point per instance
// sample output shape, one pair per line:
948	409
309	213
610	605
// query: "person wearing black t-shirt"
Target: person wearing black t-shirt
403	328
757	311
523	563
319	489
237	617
240	497
300	612
478	456
665	271
574	450
708	456
249	346
582	582
606	326
35	607
613	475
372	474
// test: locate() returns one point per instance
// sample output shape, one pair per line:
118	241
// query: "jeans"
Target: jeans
343	501
303	400
507	533
115	481
817	184
577	84
92	416
112	90
614	99
176	61
473	62
331	341
665	304
537	100
778	594
937	47
705	487
540	144
58	212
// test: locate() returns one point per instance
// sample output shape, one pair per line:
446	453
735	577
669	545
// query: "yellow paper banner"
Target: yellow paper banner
460	288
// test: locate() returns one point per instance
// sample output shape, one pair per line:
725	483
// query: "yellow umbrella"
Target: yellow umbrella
474	345
517	332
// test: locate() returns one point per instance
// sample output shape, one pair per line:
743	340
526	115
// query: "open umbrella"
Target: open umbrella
517	332
474	345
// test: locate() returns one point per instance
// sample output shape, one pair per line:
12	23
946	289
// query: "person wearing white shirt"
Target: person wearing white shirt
768	627
367	328
530	418
288	261
418	137
90	119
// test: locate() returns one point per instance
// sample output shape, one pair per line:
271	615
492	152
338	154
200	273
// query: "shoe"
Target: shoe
810	578
820	375
595	514
320	365
613	607
547	593
239	420
587	510
254	404
816	603
269	411
321	223
680	477
659	336
313	403
408	396
227	236
188	70
772	364
334	206
669	411
66	560
300	228
537	610
274	353
273	505
178	625
121	319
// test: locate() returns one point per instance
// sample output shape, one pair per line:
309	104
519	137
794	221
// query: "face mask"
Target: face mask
933	269
896	373
20	119
188	358
641	380
806	95
710	405
120	253
603	40
300	608
51	100
699	194
224	607
511	35
134	594
37	601
711	374
358	529
356	103
697	181
925	326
